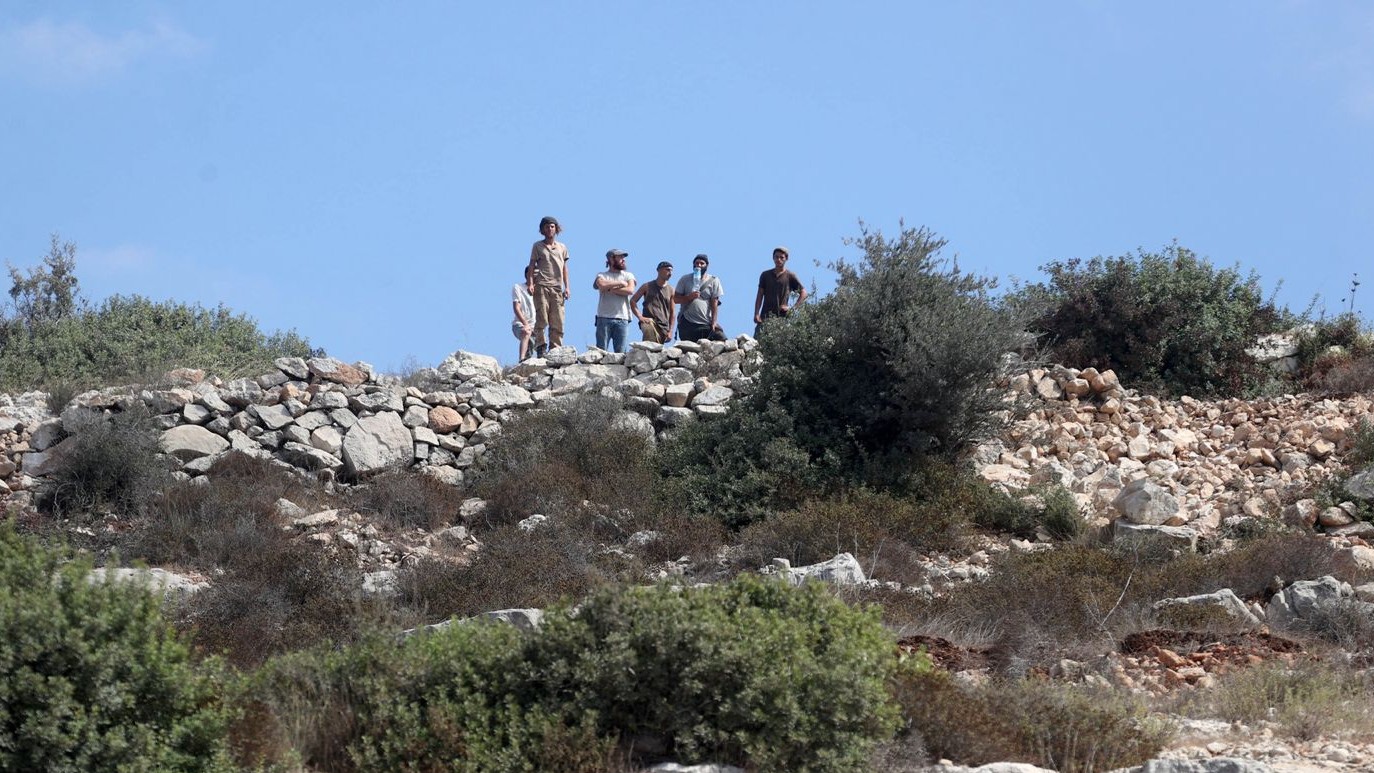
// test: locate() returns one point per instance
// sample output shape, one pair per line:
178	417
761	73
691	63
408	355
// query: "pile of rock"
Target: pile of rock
1146	462
328	417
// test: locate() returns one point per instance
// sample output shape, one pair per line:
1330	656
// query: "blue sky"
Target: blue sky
372	175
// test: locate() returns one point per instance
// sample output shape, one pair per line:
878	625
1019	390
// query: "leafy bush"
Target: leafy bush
53	336
92	678
910	347
109	460
1167	321
694	673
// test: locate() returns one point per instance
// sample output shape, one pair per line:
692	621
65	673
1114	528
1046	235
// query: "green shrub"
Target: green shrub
909	346
692	673
753	672
1167	321
109	461
55	337
92	678
742	467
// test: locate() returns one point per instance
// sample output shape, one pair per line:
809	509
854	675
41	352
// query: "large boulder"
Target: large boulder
377	442
461	366
1145	502
190	441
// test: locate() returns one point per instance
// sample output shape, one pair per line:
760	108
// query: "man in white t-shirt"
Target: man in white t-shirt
613	311
522	303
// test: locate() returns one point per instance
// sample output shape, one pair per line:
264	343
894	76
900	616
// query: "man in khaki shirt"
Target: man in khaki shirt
549	285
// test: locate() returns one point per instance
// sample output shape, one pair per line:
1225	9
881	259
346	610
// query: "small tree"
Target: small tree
896	367
49	292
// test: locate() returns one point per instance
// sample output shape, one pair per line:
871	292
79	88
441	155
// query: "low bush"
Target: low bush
109	461
1168	321
550	461
92	677
514	569
1061	727
1306	700
886	533
271	592
407	499
691	673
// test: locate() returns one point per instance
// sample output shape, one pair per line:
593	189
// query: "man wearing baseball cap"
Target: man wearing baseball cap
656	322
614	308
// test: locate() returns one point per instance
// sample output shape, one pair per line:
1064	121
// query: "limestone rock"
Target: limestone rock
377	442
189	441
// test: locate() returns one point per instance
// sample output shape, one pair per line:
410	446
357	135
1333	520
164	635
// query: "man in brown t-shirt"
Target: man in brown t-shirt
656	322
549	285
775	290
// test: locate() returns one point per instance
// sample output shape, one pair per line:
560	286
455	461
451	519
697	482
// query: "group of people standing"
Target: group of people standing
538	302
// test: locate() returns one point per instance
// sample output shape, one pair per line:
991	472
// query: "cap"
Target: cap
664	264
783	250
616	254
543	221
702	257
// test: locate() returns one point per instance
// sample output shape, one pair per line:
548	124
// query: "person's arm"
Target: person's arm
626	288
534	268
801	296
684	298
715	309
672	320
634	303
758	305
567	288
519	314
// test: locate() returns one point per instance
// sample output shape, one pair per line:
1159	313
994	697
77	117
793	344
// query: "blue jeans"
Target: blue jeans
611	334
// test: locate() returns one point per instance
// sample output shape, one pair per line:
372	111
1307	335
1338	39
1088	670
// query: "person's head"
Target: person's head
546	223
615	259
665	270
702	262
529	272
780	257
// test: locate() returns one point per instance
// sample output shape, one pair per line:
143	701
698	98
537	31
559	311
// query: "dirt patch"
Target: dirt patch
946	654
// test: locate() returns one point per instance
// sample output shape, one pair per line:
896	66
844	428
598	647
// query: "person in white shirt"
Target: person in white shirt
522	303
613	309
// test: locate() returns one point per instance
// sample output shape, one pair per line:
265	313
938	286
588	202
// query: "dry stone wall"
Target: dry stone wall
340	420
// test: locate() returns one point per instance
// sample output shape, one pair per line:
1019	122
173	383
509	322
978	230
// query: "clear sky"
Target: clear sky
373	174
